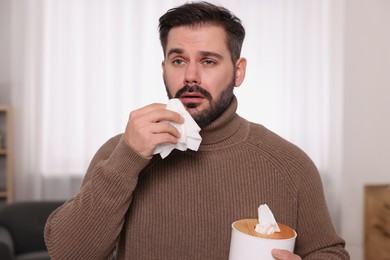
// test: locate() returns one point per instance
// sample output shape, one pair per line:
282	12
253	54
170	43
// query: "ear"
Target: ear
163	66
240	71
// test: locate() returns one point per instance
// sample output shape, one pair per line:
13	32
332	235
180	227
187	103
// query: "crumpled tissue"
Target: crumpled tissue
189	131
267	223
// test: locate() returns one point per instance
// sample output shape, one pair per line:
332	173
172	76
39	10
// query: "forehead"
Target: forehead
205	37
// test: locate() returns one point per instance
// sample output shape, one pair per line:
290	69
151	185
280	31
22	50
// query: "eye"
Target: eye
209	62
178	62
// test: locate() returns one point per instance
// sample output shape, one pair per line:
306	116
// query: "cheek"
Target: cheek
172	75
172	82
218	82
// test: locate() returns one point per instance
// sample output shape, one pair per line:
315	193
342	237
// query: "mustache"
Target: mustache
194	88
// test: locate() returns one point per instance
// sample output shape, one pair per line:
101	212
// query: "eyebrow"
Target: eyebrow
211	54
175	50
203	53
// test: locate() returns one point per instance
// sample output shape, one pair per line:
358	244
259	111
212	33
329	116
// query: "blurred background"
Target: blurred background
318	75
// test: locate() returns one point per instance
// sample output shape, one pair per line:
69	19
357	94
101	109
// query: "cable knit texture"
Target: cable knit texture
182	207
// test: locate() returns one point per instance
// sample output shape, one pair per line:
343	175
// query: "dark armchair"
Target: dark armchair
21	230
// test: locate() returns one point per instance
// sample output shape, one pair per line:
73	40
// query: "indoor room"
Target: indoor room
314	74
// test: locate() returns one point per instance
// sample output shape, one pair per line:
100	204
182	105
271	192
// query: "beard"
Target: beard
217	105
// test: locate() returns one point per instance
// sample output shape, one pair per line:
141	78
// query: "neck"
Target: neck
224	128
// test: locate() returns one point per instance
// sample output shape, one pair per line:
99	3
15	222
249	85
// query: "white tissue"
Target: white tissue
267	223
189	131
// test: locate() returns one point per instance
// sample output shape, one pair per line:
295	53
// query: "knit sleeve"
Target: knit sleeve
317	237
87	226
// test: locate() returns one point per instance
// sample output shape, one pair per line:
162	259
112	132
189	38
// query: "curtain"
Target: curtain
80	67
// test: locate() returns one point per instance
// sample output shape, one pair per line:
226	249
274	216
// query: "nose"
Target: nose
192	74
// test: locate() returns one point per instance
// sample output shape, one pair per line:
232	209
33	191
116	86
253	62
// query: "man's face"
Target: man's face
198	70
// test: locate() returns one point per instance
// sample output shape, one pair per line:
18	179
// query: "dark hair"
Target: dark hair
200	13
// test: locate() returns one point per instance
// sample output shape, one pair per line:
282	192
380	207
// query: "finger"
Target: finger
148	108
164	115
164	138
164	127
143	126
156	113
281	254
145	140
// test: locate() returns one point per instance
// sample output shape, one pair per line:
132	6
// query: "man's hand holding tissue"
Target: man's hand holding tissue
148	127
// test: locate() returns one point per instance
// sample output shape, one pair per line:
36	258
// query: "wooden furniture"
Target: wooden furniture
6	175
377	222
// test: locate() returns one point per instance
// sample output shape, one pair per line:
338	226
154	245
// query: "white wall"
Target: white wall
5	51
366	130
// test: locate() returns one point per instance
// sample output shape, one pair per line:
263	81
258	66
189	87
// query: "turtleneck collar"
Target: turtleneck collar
228	128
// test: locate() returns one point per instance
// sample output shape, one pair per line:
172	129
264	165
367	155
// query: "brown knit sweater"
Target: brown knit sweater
182	207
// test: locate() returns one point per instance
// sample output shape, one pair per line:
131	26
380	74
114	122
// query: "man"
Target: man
182	207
